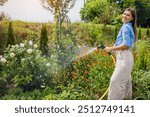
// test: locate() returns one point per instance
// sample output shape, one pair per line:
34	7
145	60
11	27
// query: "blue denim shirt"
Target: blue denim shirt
125	36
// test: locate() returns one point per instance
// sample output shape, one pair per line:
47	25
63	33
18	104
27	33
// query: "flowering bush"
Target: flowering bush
24	66
89	76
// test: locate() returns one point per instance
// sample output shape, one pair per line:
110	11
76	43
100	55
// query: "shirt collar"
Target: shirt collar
129	23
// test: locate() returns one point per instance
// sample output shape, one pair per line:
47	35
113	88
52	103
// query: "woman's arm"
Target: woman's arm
120	47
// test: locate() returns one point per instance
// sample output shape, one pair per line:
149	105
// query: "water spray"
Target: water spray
87	51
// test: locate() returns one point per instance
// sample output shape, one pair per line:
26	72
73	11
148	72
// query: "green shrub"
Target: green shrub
24	66
19	94
89	77
141	84
142	55
44	41
139	34
147	32
3	38
94	34
2	86
116	32
11	38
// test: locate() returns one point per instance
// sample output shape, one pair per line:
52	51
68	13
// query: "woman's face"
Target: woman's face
127	17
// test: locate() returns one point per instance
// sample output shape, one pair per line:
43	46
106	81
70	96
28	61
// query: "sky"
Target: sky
32	11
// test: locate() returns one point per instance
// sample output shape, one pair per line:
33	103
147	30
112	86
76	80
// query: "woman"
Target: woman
121	83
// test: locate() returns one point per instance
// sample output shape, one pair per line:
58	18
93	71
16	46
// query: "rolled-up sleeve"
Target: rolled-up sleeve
126	35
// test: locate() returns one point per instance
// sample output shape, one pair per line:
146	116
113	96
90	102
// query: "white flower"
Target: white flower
52	56
22	60
12	55
3	60
117	2
48	64
30	43
43	86
22	45
58	46
16	45
1	56
35	46
37	56
12	46
29	51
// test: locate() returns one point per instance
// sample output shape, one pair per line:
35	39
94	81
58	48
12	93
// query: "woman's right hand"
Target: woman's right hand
109	49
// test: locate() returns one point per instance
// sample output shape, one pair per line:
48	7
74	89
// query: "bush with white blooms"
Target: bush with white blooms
25	67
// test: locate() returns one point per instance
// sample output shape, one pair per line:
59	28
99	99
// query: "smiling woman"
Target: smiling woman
32	10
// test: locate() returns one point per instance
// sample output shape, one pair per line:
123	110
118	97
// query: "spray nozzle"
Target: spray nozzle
102	47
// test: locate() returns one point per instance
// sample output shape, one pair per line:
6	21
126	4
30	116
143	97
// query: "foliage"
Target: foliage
94	35
148	33
116	32
143	12
89	12
44	41
108	12
128	3
99	11
142	56
85	78
2	86
89	76
58	7
3	37
117	20
141	84
19	94
22	31
24	66
139	33
11	38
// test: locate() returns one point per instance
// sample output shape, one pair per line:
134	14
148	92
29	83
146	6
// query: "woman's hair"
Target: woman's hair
134	21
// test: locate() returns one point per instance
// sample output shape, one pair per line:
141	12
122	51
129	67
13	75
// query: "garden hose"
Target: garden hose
114	61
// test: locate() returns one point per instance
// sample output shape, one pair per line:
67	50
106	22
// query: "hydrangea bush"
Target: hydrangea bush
24	66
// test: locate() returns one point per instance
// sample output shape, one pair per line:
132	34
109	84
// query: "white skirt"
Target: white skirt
121	83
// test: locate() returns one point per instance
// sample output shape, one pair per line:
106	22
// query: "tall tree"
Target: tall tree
59	8
44	40
11	38
143	12
99	11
